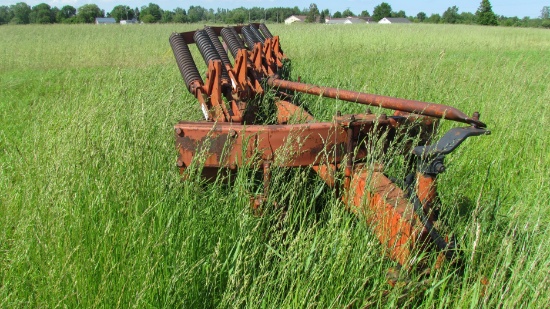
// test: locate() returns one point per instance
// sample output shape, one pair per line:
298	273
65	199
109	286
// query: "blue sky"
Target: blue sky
509	8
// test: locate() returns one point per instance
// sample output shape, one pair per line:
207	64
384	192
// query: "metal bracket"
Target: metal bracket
431	157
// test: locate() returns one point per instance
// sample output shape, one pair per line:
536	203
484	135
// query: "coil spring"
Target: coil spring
217	45
237	36
249	37
257	33
265	31
232	42
185	61
207	50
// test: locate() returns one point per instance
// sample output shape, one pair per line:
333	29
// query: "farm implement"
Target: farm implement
252	118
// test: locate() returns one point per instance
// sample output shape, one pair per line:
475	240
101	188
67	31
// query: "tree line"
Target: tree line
22	13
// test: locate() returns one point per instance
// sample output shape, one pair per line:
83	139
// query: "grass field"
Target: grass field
93	212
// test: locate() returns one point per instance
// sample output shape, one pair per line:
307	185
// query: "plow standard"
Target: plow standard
237	97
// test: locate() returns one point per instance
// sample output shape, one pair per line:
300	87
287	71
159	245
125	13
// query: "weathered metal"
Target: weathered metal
411	106
235	135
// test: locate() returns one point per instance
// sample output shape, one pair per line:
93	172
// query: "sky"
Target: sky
509	8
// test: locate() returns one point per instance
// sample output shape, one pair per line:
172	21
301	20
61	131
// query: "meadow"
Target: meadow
93	212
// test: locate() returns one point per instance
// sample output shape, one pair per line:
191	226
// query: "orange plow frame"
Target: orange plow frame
402	216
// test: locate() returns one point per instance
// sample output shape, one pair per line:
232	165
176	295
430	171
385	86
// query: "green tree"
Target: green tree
312	13
21	13
180	16
347	13
467	18
434	19
365	13
198	13
122	12
399	14
545	12
380	11
88	13
148	18
67	12
151	13
41	14
451	16
509	21
255	13
421	16
167	17
485	15
337	14
6	14
324	15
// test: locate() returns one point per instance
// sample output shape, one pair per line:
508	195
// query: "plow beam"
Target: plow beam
386	208
410	106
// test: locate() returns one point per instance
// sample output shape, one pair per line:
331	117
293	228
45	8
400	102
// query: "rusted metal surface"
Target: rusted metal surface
426	191
386	208
290	113
233	145
233	135
411	106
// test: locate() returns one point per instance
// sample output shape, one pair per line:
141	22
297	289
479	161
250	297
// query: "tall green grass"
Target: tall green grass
93	212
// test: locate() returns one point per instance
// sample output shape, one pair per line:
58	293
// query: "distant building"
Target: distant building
367	19
298	19
130	21
398	20
295	18
347	20
104	21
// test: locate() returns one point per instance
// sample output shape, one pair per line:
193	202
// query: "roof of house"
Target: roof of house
300	17
105	20
347	20
365	18
397	20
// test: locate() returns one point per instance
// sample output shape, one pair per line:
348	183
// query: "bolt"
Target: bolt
383	117
475	116
179	163
368	111
352	118
338	113
232	133
439	167
179	131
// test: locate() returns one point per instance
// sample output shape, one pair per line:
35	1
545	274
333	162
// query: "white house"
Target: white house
295	18
398	20
104	21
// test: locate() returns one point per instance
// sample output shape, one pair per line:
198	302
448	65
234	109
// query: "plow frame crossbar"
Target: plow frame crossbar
325	147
